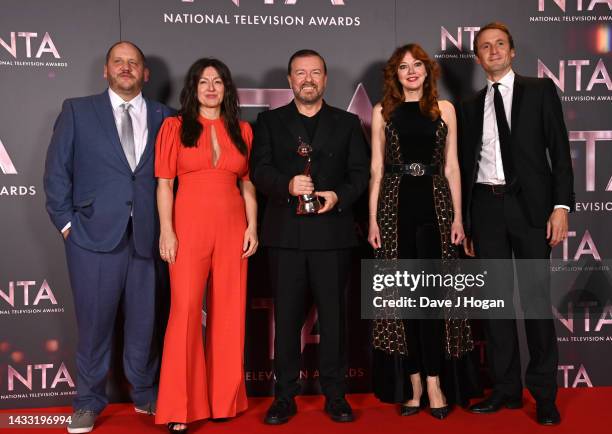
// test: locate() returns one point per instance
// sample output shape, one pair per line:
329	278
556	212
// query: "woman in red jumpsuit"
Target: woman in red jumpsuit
207	232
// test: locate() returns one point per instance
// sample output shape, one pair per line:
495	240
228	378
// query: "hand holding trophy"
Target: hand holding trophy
307	203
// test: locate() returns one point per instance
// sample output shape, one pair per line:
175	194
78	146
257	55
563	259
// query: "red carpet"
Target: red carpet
582	410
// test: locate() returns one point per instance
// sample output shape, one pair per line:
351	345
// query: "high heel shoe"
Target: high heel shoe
173	430
440	412
408	410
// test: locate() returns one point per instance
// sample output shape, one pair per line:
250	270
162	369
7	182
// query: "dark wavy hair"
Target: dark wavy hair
191	128
393	94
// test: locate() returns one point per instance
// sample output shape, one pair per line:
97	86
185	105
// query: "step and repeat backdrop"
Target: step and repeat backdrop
50	51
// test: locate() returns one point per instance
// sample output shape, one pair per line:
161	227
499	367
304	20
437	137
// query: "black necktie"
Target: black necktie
504	134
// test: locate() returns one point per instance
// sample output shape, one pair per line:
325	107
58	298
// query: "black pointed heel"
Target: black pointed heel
440	413
408	410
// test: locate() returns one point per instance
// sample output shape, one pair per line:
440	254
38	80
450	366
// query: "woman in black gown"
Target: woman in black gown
415	212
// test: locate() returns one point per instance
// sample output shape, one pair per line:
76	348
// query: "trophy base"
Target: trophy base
308	204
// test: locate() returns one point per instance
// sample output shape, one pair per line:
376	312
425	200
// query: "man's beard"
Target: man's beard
312	98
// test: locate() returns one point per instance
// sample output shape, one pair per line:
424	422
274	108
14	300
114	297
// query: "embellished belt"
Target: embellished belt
413	169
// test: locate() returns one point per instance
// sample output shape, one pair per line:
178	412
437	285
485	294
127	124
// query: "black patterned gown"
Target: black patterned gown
414	216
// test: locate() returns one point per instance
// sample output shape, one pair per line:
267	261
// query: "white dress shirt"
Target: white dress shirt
138	112
491	168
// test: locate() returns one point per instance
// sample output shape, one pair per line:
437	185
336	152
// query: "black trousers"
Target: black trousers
420	239
500	228
326	273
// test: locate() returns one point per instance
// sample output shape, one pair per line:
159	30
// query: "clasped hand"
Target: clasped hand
302	184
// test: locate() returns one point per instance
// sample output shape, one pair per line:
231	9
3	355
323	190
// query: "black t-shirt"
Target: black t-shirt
310	124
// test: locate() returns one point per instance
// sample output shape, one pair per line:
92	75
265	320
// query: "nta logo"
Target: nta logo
597	75
44	293
561	4
46	45
41	380
446	36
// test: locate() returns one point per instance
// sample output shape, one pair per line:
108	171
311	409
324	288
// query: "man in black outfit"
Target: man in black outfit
516	203
309	250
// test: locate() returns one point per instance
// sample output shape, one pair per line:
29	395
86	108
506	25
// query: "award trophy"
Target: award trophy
307	203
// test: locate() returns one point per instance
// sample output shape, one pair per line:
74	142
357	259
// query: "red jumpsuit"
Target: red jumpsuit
209	221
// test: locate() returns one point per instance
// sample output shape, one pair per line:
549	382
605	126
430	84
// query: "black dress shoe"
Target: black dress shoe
339	410
547	414
495	402
408	410
280	411
440	412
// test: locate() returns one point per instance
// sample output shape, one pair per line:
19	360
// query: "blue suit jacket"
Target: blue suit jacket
88	181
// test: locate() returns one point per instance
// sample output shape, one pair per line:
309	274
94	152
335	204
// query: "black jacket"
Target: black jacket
340	163
537	133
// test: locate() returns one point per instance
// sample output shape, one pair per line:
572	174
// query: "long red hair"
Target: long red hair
393	94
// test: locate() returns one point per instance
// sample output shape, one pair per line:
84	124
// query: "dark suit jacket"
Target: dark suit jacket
89	183
537	133
340	163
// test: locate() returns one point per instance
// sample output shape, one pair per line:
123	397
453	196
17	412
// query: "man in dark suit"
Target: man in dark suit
516	203
309	250
100	192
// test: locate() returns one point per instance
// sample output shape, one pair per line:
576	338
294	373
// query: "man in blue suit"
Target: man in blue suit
100	189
